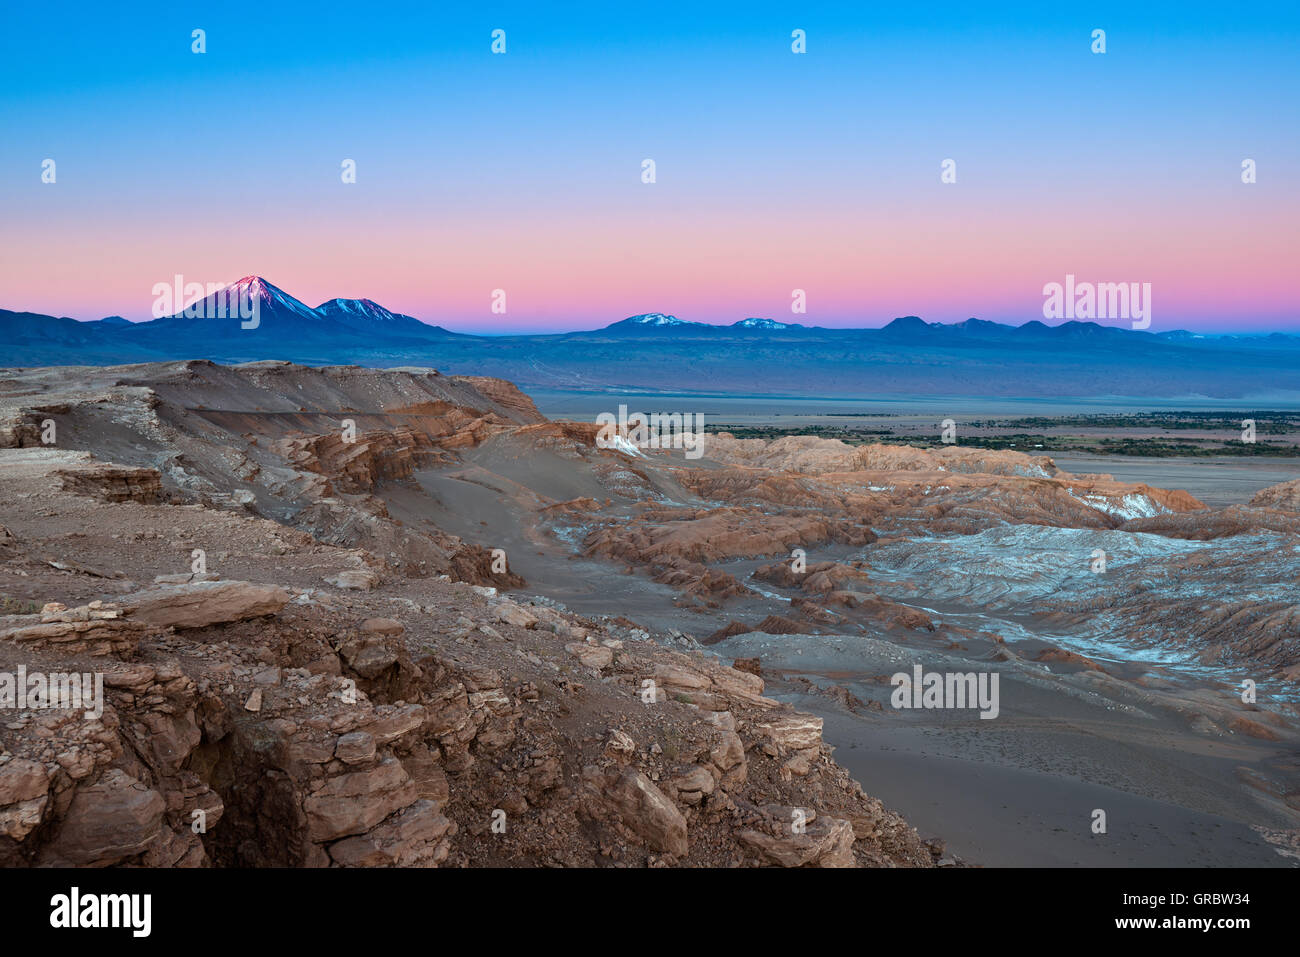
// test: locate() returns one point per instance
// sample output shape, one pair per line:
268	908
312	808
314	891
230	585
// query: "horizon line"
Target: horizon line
676	320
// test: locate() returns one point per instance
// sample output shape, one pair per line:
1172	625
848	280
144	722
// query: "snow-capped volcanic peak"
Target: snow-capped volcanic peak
655	319
357	309
257	288
762	324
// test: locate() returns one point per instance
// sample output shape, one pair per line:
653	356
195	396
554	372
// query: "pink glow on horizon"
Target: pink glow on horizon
585	272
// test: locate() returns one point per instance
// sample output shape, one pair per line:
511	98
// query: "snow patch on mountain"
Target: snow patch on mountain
257	288
364	309
655	319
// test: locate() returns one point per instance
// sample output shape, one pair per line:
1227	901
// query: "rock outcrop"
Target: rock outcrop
239	723
1285	496
200	604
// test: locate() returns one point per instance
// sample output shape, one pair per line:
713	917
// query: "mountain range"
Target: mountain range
655	351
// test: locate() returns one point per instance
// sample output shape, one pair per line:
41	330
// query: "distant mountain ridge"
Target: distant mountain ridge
658	351
658	320
276	304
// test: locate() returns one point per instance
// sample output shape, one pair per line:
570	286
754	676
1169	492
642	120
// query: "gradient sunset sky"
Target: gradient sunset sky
775	171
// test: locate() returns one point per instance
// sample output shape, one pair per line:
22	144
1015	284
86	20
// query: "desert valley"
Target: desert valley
373	617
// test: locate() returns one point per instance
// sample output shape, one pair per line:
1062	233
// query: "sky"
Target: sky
774	171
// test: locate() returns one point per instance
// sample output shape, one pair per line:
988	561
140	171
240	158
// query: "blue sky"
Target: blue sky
520	171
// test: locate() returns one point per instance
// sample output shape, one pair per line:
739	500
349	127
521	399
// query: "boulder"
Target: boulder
355	579
591	656
791	732
24	787
355	802
107	822
199	604
357	747
413	837
642	808
513	614
824	842
694	784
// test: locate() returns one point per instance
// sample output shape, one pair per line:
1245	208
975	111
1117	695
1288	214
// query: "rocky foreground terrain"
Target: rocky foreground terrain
388	617
330	686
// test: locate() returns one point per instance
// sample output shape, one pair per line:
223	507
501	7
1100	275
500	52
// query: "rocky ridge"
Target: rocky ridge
277	693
